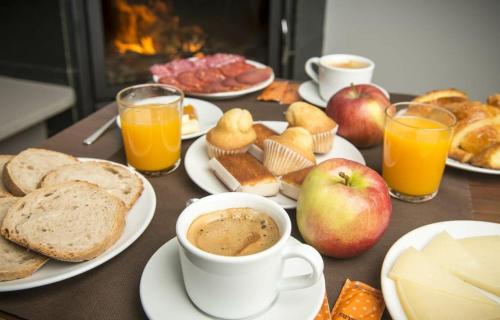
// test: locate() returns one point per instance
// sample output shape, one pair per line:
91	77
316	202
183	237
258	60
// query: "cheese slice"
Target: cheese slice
424	303
452	256
485	249
413	266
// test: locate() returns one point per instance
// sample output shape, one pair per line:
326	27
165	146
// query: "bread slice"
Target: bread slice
25	171
15	261
291	183
113	178
73	221
3	161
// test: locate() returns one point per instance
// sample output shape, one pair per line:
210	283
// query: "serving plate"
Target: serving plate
468	167
53	271
208	115
236	93
418	238
196	163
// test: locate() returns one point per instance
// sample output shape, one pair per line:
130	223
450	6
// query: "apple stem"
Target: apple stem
347	180
353	87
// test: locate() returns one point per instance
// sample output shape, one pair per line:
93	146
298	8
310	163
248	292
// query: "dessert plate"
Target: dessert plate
196	163
309	91
468	167
163	295
208	115
418	238
233	94
53	271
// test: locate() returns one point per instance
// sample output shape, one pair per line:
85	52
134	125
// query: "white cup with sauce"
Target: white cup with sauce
234	287
337	71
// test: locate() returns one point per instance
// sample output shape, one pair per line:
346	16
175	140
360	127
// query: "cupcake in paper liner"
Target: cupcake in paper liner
290	151
321	127
233	134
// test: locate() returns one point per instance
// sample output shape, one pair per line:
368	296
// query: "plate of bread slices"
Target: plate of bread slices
475	145
198	116
444	270
268	158
61	216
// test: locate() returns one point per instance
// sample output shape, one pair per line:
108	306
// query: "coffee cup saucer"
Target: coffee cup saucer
309	91
163	295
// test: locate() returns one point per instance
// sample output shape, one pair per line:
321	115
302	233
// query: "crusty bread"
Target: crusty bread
115	179
73	221
3	161
25	171
15	261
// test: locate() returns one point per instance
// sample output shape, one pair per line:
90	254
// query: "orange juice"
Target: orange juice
152	136
415	151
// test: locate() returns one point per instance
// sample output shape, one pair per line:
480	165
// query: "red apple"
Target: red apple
359	110
343	208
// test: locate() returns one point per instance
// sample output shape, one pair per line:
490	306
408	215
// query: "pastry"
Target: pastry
243	173
290	151
291	182
233	134
262	132
488	158
321	127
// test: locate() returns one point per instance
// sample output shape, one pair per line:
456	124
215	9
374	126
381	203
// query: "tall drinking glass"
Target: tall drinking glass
150	116
416	141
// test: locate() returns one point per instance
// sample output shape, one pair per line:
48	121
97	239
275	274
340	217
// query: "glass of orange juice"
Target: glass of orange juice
416	141
150	116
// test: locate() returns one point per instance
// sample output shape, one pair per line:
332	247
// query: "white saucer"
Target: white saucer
163	295
309	91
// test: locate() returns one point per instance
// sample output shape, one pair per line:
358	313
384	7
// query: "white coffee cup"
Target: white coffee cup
242	286
331	79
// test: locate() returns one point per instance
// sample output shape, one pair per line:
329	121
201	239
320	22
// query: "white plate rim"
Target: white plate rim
237	93
317	100
272	124
148	192
456	228
173	242
193	101
468	167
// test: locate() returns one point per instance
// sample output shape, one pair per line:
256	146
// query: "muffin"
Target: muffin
290	151
233	134
262	132
321	127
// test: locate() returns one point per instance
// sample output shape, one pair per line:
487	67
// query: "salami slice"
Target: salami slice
217	86
236	68
233	84
169	80
209	75
161	70
254	76
180	65
189	79
219	59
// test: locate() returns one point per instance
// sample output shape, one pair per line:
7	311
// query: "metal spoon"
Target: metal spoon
94	136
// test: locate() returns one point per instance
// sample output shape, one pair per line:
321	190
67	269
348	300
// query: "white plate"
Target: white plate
418	238
468	167
163	295
208	115
233	94
196	163
309	91
53	271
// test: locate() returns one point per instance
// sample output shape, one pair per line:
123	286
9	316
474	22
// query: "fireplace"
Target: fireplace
110	44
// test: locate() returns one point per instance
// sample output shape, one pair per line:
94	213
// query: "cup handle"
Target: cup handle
308	254
309	68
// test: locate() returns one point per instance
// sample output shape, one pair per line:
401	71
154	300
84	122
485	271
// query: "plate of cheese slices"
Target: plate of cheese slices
445	270
214	176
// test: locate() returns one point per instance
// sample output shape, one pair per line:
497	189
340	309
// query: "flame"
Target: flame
153	29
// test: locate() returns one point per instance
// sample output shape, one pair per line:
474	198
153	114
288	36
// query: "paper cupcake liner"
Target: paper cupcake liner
214	151
323	141
280	160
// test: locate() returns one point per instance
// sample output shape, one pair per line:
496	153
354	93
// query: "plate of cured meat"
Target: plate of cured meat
217	76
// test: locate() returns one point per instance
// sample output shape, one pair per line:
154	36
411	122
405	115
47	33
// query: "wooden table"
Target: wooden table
115	283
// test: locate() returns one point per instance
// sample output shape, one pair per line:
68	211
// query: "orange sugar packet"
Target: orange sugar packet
324	312
358	301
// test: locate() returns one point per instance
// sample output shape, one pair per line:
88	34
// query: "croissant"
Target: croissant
488	158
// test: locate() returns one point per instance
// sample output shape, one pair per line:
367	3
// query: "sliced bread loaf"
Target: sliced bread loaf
73	221
25	171
3	161
15	261
115	179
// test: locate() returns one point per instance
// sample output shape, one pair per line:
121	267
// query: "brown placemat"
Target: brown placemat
111	291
